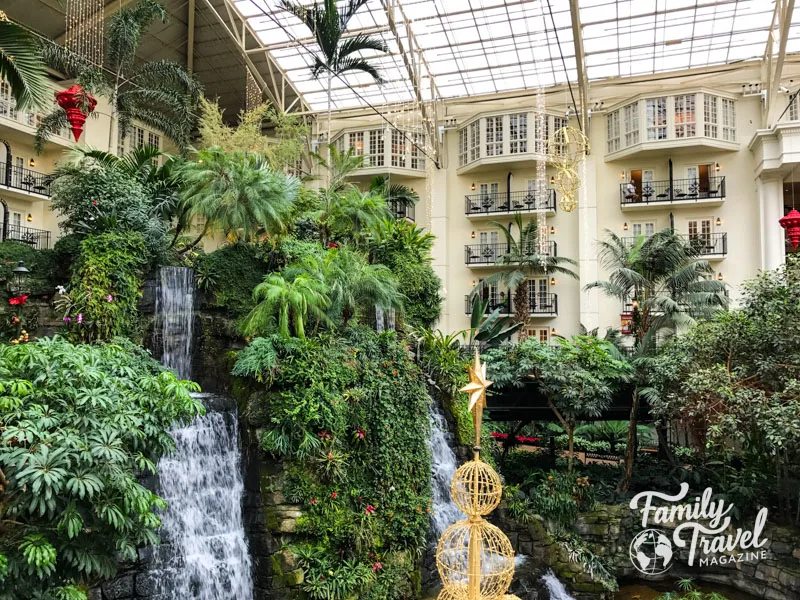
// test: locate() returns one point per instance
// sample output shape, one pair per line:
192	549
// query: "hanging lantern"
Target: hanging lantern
77	104
791	223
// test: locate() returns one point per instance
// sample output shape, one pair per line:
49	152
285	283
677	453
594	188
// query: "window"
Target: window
710	115
463	146
794	108
137	137
657	119
728	120
490	190
16	220
544	336
356	142
153	139
339	144
700	231
494	136
559	123
537	294
647	228
475	140
518	133
398	148
17	171
685	119
612	133
375	156
630	123
417	158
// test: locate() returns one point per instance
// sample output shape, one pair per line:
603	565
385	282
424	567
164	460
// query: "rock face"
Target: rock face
609	530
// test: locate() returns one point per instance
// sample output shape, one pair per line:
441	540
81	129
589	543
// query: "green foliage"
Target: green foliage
420	286
79	423
22	68
287	305
348	415
44	273
103	297
229	275
492	329
597	567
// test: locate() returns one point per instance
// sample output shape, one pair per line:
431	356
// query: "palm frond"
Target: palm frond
22	67
49	125
359	43
126	28
357	64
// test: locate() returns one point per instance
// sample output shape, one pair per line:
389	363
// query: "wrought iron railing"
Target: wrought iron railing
704	244
510	202
675	190
538	304
488	254
401	210
37	238
20	178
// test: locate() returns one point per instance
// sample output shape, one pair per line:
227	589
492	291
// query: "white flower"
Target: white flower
61	289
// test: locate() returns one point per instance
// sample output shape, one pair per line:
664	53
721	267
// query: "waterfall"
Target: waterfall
175	317
555	587
443	466
204	554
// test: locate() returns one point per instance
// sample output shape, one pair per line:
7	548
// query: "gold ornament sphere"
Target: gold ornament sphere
476	488
477	539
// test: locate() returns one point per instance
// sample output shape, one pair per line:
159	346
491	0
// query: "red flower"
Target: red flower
499	436
377	566
334	495
333	245
17	300
324	435
360	433
313	501
370	509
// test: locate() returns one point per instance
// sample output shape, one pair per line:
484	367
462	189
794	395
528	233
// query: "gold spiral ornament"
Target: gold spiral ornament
567	150
476	488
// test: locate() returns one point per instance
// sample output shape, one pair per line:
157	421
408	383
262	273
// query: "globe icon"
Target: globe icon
651	552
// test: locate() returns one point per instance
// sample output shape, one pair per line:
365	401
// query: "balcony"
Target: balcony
496	204
708	192
486	255
539	305
710	246
25	180
25	121
384	151
36	238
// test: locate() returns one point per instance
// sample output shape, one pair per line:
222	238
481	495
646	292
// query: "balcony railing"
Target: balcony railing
538	304
704	244
510	202
20	178
401	211
36	238
675	190
487	254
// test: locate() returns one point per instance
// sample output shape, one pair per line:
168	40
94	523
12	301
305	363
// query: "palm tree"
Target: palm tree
161	94
523	261
348	215
22	67
669	288
337	55
393	240
288	303
237	193
398	196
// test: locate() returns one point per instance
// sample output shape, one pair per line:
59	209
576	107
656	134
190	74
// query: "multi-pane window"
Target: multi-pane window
417	158
474	140
685	119
544	336
339	144
558	124
137	137
153	139
355	140
656	118
375	156
630	123
490	190
700	230
398	148
537	293
518	133
728	120
794	108
463	146
710	116
646	229
6	101
494	136
612	131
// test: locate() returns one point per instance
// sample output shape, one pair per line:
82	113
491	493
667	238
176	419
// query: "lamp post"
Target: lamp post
19	278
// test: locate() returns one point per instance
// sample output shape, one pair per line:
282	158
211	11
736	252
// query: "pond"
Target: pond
653	590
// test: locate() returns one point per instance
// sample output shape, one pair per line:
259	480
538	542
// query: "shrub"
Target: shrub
40	263
79	424
229	274
420	285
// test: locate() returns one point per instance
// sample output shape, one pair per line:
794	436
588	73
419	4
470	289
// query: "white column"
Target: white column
587	251
770	204
438	227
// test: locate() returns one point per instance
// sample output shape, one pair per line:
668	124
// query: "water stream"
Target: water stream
175	318
555	587
443	465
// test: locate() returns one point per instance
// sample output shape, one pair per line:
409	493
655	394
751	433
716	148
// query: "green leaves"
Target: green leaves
39	554
22	68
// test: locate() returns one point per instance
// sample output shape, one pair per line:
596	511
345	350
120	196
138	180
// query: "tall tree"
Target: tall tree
22	66
669	287
160	94
336	55
523	261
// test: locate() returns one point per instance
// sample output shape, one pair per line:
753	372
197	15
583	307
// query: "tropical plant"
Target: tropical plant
337	55
669	287
237	193
395	194
492	329
22	67
160	94
396	240
348	215
525	259
80	424
287	304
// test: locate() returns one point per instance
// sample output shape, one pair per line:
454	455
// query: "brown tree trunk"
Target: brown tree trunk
521	309
630	449
571	434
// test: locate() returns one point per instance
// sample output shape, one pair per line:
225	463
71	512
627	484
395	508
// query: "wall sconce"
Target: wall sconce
553	331
552	180
474	283
552	230
32	162
625	226
472	235
622	174
29	218
472	187
718	222
719	276
716	167
502	295
552	281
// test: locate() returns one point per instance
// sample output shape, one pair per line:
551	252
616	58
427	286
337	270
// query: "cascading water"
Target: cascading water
555	587
175	318
443	465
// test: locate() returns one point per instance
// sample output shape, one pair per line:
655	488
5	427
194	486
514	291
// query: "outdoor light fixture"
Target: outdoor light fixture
552	230
29	218
625	226
716	167
474	283
552	180
622	174
553	331
719	276
472	187
32	162
552	281
718	222
19	277
472	235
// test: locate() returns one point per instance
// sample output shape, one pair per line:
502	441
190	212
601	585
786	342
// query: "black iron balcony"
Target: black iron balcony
27	180
704	244
676	190
36	238
401	211
538	304
488	254
510	202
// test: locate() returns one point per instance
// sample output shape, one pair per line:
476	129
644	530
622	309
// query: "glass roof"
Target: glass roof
472	47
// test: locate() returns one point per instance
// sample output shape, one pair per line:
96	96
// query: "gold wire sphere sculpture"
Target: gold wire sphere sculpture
567	149
475	560
510	597
476	488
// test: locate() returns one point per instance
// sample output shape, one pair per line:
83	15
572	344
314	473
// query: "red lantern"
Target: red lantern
791	223
75	101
